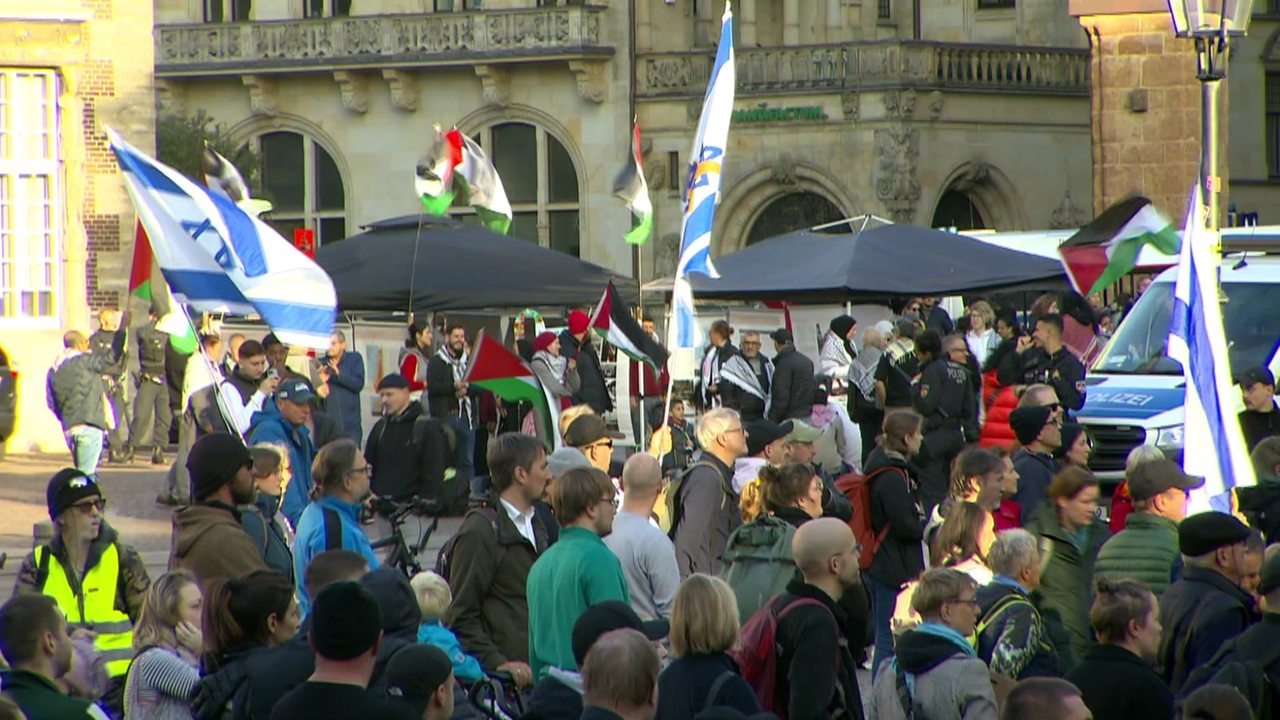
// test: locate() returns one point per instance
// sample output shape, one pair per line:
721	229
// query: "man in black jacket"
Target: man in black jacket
946	397
113	379
409	451
77	397
815	668
793	383
151	412
1207	607
1043	358
576	343
452	400
1260	418
1040	435
704	505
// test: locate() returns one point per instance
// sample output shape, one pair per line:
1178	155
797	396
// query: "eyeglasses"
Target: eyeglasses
970	601
362	469
611	501
914	308
100	505
738	429
753	343
602	443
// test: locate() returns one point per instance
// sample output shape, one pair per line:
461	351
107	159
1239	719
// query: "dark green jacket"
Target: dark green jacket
40	699
1066	583
1146	550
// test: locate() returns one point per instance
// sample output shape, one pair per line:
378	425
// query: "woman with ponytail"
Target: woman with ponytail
242	617
414	356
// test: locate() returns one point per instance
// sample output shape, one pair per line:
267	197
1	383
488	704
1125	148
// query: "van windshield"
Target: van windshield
1140	343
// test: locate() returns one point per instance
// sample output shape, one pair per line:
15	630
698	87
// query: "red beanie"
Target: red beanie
543	341
578	322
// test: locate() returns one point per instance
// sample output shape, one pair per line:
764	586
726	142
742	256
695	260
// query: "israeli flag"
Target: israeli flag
215	257
703	190
1213	445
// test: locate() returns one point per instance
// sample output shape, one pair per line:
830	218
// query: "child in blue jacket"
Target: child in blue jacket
434	598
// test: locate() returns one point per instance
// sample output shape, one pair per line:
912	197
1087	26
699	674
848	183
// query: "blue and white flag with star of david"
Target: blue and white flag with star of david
215	257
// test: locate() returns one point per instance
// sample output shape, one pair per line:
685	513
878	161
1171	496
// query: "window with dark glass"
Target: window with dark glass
302	181
984	4
1272	101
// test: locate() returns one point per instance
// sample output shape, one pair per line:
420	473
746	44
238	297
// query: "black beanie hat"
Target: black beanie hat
345	621
1027	422
213	461
67	488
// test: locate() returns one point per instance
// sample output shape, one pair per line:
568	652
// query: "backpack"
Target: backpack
911	709
444	561
1253	682
989	618
759	651
332	530
758	562
673	495
858	489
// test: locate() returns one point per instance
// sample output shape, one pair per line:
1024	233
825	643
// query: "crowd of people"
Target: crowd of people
917	502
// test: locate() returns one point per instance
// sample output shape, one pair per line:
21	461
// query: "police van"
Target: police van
1136	391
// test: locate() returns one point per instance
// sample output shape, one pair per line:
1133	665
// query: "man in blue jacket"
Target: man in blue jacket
344	373
286	424
332	521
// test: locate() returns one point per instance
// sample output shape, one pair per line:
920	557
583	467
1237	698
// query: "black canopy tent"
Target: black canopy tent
459	267
874	264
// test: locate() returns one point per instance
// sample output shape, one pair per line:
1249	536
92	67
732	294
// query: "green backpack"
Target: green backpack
758	562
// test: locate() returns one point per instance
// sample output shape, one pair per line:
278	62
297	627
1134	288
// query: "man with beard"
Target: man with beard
407	449
35	641
575	573
207	537
332	521
451	399
249	385
97	581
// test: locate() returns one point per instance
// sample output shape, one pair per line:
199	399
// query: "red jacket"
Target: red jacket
1121	507
995	429
1008	516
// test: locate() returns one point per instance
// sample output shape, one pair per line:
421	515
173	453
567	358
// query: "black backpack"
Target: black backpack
444	561
1254	682
673	494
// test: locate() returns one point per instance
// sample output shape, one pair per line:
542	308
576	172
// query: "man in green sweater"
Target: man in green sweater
1147	548
578	571
33	638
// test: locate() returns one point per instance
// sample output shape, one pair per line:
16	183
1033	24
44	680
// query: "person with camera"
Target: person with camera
249	385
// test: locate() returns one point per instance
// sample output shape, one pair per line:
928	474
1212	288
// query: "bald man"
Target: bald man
816	670
647	555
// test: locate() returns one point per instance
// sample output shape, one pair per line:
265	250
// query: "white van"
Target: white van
1136	392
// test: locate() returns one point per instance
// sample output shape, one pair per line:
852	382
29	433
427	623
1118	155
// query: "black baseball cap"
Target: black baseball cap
1254	376
414	673
782	335
608	616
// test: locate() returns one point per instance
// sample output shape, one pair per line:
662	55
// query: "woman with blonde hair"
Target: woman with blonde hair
168	644
982	338
704	628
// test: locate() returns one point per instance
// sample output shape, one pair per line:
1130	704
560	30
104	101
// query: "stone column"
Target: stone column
835	21
790	22
1145	105
643	25
748	29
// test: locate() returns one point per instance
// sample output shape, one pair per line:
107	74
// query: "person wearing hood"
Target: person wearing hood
1261	503
836	351
78	398
936	669
97	581
558	695
286	424
408	452
401	615
558	375
208	539
332	521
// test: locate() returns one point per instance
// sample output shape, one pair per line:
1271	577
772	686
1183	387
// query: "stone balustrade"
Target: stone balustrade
380	41
875	65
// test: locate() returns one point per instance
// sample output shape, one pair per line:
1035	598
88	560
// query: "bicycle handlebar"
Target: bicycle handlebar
397	509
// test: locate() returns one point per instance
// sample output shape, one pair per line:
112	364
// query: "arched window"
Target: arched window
302	182
541	183
957	210
794	211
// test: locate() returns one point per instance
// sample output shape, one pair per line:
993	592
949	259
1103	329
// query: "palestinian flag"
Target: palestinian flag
494	367
1107	249
631	187
613	323
143	265
457	170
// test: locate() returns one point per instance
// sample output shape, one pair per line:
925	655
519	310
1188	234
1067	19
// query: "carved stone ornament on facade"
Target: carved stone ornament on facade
354	88
592	83
900	104
666	253
849	104
1068	215
655	173
935	104
172	96
896	180
404	91
784	173
262	95
496	82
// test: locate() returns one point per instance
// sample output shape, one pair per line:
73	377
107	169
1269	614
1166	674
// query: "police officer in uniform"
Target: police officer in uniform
113	381
946	397
151	412
1043	358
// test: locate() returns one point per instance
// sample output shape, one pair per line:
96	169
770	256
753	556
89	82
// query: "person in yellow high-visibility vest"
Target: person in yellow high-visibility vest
96	580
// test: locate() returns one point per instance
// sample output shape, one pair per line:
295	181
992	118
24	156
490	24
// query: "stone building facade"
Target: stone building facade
67	68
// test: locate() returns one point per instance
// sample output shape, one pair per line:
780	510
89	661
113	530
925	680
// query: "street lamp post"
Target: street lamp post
1210	23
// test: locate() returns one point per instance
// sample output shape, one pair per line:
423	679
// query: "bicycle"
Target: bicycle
404	555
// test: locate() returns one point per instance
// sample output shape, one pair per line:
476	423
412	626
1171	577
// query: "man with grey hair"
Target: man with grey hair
753	407
647	555
343	372
620	677
701	502
1012	637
